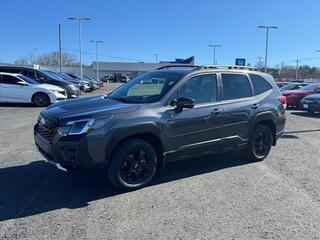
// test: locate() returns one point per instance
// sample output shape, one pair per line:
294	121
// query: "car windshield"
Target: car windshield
52	76
310	87
147	88
28	80
291	86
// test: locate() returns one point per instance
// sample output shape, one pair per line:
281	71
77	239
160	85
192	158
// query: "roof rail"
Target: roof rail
227	67
177	66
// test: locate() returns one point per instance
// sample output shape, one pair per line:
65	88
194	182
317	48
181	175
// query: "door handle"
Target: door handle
255	106
216	111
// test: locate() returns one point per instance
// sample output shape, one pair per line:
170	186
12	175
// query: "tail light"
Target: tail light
283	101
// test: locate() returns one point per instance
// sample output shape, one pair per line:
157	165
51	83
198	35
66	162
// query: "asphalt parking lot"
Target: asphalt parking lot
217	197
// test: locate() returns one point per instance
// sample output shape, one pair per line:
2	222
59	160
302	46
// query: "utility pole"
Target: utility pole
267	40
97	61
259	63
156	55
35	55
60	53
214	52
297	68
79	19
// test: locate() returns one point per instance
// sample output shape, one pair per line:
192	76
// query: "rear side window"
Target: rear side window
260	85
6	79
235	86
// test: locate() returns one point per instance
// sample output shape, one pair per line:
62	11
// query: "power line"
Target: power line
104	55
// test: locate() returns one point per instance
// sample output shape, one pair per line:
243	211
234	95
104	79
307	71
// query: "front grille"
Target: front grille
46	126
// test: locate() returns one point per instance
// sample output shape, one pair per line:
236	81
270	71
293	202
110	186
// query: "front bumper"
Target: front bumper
73	93
310	106
85	150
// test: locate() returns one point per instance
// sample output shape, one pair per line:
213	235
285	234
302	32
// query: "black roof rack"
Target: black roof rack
229	67
177	66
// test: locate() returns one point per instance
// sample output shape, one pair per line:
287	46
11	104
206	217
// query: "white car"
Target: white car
17	88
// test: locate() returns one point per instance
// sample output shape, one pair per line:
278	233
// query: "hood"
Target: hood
48	86
296	92
313	97
89	107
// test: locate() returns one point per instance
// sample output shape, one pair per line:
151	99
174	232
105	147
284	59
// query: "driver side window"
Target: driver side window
201	88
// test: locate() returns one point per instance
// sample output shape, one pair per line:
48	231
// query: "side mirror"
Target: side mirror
22	83
182	103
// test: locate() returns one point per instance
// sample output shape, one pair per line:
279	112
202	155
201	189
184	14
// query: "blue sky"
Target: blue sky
136	29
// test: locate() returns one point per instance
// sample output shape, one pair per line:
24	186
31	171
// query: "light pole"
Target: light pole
297	68
156	55
259	63
267	39
79	19
97	42
214	52
35	55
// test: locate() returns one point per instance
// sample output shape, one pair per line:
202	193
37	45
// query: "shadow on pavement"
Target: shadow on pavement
306	114
18	105
36	188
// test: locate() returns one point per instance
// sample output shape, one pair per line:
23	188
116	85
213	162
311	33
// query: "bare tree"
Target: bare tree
52	59
21	61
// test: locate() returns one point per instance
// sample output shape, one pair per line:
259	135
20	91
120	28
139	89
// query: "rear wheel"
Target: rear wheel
133	165
260	143
41	99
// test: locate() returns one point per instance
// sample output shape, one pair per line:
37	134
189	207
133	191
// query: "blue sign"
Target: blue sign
240	61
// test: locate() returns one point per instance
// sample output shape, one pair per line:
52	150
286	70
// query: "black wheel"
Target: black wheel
310	111
41	99
133	165
260	143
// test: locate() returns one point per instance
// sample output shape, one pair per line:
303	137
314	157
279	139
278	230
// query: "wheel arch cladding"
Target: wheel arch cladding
150	134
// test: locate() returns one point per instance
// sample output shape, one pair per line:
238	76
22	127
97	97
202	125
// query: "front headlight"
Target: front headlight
57	91
73	87
84	125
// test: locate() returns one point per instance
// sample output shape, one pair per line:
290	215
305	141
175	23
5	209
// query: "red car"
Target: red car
294	97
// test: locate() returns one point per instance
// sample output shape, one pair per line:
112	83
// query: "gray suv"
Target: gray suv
167	114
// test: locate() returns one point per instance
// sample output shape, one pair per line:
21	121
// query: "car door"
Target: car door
239	107
12	91
197	129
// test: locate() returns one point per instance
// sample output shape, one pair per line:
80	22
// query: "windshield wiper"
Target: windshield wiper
122	99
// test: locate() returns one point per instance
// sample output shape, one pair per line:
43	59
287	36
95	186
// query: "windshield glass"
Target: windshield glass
292	86
147	88
50	75
28	80
310	87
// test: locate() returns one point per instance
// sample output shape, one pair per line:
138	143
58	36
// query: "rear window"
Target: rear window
260	85
235	86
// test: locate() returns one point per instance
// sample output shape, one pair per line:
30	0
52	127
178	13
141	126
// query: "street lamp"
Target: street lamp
267	39
79	19
35	55
156	55
97	42
214	52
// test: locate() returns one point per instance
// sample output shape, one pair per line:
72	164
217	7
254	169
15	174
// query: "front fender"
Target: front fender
126	132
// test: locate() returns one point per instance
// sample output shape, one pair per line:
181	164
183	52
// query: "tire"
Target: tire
310	111
260	143
133	165
41	99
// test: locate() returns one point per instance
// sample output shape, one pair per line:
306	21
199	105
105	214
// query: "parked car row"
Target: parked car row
302	95
116	78
42	87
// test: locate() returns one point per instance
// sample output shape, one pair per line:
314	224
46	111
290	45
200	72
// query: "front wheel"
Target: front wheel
41	99
133	165
260	143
